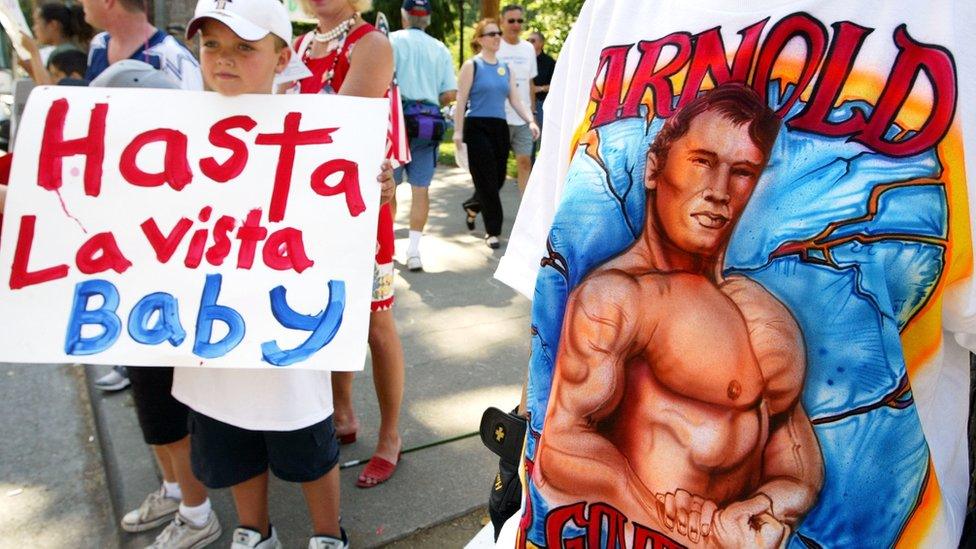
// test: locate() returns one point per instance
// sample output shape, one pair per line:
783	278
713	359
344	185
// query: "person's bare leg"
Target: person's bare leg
322	498
165	463
251	500
344	416
393	206
419	208
524	163
194	492
388	378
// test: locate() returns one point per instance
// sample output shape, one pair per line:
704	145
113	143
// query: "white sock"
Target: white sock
172	490
414	248
196	515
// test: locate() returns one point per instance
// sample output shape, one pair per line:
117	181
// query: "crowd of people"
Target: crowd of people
205	439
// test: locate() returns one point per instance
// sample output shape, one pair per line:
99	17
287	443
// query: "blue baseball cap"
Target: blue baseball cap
417	7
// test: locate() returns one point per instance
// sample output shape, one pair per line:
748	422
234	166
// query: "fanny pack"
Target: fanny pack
423	121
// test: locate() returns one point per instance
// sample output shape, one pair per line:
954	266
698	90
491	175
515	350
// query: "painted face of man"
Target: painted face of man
707	180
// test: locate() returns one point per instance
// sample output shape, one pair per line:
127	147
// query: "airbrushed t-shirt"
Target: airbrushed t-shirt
804	382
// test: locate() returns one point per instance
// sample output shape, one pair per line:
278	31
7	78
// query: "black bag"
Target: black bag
504	435
423	121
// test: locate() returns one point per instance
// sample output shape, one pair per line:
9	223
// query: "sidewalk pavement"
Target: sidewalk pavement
466	341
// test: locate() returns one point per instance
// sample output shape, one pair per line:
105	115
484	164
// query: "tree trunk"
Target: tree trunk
489	9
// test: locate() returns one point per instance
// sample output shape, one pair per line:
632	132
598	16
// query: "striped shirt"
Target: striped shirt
162	51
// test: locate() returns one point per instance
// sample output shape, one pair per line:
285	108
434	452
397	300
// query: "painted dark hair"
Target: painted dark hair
72	19
736	102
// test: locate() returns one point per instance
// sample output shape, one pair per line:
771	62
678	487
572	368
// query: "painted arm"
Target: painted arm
600	332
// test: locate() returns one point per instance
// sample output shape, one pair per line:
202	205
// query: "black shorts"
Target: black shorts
162	418
223	455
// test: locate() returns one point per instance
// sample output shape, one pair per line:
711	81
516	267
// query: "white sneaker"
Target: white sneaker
329	542
414	263
155	510
245	538
492	242
183	534
116	380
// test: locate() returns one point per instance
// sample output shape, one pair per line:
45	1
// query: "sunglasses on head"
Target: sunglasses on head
492	33
513	21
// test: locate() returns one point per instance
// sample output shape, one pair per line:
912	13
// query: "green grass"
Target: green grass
446	156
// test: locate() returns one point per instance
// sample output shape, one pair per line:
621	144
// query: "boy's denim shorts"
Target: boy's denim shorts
223	455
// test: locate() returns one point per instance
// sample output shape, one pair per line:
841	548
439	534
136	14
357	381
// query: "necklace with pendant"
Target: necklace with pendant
336	32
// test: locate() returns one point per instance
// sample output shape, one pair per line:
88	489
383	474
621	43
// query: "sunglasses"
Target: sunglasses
513	21
492	34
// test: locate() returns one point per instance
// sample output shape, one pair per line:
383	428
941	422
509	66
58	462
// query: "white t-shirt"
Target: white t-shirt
259	400
859	226
520	59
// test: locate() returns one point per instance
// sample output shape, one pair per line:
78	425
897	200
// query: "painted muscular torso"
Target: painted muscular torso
673	391
692	415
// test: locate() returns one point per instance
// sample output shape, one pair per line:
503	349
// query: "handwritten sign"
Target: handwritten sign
173	228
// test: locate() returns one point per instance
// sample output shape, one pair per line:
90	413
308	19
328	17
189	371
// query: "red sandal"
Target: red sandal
377	471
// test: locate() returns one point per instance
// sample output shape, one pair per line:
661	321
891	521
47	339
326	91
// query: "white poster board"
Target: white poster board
205	240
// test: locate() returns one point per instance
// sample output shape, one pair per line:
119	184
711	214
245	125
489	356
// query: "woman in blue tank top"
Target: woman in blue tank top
479	122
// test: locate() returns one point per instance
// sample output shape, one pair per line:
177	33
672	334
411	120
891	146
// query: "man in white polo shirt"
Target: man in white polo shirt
519	55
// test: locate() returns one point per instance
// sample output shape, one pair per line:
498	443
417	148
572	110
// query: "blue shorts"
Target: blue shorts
223	455
420	170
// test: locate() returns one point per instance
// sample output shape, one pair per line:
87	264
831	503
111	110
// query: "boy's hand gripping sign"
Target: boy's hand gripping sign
171	228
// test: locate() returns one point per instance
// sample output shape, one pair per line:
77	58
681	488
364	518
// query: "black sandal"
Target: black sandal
471	217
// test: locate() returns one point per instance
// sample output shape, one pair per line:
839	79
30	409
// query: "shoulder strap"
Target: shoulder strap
303	44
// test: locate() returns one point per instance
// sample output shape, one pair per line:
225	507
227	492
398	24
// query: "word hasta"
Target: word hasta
176	167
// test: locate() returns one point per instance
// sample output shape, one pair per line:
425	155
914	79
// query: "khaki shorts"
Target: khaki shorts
521	138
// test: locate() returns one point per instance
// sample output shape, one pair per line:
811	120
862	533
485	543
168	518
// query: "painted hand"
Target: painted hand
749	523
691	514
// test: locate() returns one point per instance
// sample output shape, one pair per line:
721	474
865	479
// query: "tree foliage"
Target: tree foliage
553	18
443	22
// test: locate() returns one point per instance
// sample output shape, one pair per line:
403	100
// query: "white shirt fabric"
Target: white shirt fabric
520	59
259	400
935	343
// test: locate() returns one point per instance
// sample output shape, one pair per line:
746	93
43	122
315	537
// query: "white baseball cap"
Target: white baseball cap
249	19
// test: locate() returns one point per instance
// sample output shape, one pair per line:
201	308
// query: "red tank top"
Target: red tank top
337	61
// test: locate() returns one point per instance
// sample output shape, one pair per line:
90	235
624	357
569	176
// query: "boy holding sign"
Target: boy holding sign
265	418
